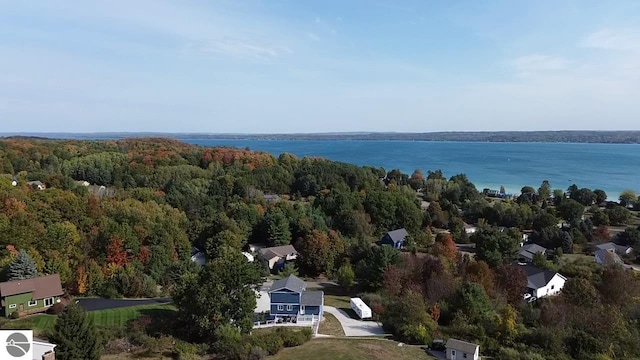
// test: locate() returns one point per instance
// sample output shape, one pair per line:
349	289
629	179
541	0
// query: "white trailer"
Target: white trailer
360	308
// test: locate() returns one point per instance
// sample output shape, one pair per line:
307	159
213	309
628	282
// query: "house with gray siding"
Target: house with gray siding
290	300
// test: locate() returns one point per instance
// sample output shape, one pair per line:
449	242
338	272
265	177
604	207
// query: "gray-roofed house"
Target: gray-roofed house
276	256
542	282
607	258
395	238
459	350
290	299
37	185
198	256
618	249
528	251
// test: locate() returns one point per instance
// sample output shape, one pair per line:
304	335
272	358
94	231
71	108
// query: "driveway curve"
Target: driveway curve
93	304
355	327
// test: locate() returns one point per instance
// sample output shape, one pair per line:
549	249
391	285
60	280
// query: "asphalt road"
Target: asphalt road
105	304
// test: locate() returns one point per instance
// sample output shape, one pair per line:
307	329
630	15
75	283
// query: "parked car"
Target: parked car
438	344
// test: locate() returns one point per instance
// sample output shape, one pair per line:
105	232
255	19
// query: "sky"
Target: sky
292	66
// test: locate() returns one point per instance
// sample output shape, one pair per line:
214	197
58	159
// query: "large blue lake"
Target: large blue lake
610	167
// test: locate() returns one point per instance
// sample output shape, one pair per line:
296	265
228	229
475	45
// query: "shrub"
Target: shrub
184	349
15	315
257	353
291	338
56	309
415	334
270	342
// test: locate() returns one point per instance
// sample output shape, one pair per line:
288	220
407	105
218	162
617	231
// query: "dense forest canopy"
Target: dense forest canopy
122	218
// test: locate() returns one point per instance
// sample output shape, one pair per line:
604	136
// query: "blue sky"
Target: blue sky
318	66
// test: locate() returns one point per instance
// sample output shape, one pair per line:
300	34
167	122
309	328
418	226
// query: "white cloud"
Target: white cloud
621	39
313	36
241	49
538	63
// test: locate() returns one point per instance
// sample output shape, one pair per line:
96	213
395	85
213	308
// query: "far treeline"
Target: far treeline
604	137
121	218
569	136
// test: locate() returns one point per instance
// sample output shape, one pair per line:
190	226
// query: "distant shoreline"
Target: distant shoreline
569	136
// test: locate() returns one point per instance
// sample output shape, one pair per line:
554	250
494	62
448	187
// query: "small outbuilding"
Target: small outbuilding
459	350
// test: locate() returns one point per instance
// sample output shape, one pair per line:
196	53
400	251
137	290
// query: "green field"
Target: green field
351	349
119	317
112	318
337	301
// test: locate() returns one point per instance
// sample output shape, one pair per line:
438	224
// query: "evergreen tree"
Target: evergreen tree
22	267
75	335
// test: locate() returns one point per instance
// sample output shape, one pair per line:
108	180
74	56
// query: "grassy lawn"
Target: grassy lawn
337	301
119	317
102	318
331	326
351	349
132	356
576	257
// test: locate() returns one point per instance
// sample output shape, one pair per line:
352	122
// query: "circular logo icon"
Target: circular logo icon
17	345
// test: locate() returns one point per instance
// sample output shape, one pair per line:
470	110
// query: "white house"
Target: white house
541	282
459	350
469	229
43	350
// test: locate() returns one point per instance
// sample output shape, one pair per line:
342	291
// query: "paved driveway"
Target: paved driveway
354	327
104	304
263	302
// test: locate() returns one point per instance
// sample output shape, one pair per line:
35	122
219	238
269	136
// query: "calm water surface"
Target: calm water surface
610	167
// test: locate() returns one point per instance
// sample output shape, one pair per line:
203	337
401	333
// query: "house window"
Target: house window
453	353
464	356
280	307
33	302
552	286
12	306
48	301
289	307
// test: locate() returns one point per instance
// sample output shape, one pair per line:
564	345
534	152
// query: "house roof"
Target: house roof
529	250
606	246
311	298
42	287
36	183
398	235
291	282
463	346
607	258
537	278
620	249
277	251
467	226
